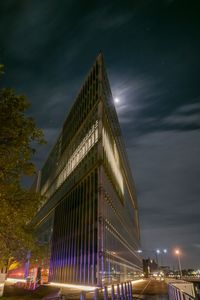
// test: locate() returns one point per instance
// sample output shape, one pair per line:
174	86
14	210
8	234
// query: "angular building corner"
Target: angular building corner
90	215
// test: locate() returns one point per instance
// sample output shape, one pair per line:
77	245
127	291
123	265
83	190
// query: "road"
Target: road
150	289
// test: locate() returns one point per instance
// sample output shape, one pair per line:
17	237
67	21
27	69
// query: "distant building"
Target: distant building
165	269
149	266
90	215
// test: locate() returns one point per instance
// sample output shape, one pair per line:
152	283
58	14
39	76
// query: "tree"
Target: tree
18	137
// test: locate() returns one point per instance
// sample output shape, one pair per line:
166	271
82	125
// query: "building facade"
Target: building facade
90	214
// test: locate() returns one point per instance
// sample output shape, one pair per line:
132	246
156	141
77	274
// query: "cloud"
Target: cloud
47	48
184	116
190	108
136	93
152	239
125	120
166	169
182	120
106	22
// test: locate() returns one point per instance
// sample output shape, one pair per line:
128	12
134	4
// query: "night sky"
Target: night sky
152	54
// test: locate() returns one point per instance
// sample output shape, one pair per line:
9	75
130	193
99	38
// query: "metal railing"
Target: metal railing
176	293
118	291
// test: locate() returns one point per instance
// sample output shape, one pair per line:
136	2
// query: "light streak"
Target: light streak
74	286
109	287
14	280
137	281
86	287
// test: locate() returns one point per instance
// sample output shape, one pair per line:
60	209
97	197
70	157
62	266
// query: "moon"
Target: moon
116	100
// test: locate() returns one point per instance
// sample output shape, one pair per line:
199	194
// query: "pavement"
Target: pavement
150	289
147	289
11	292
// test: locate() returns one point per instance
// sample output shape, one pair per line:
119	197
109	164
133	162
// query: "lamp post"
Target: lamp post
177	252
157	253
139	251
163	258
157	259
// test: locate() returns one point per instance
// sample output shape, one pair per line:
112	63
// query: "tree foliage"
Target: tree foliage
18	136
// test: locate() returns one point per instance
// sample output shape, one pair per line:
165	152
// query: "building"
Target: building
90	214
149	267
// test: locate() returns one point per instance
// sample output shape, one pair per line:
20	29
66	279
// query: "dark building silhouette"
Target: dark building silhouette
90	215
149	266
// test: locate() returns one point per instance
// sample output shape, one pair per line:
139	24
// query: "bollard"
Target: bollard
125	290
112	292
128	290
96	294
82	295
122	291
105	293
118	292
131	290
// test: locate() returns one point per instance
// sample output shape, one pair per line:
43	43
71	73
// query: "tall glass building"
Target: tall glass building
90	214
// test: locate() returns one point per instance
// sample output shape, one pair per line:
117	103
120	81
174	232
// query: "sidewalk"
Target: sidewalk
15	293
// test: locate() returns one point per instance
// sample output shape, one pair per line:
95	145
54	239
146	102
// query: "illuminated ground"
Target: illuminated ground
13	293
150	289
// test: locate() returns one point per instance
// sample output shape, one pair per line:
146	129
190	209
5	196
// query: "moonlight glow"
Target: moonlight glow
116	100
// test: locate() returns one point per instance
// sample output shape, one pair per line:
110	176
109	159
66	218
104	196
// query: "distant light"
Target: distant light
158	251
137	280
139	251
165	250
116	100
177	251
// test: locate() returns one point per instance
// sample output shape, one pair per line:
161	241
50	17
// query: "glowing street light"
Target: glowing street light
157	253
139	251
177	253
165	251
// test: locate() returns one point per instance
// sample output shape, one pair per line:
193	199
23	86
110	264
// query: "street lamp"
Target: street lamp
177	252
160	252
163	259
139	251
157	253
